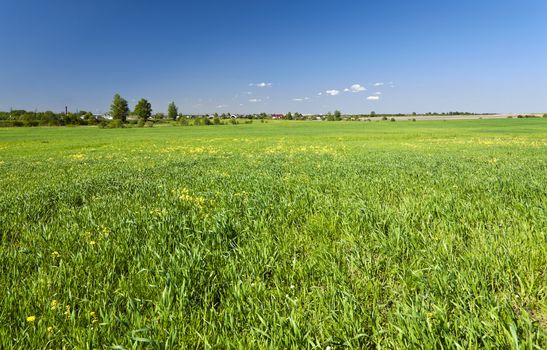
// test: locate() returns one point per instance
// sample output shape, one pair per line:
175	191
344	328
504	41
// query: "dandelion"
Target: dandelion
31	318
92	242
53	305
50	329
93	317
55	254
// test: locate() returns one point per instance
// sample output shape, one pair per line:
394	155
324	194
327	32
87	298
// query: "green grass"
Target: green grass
278	235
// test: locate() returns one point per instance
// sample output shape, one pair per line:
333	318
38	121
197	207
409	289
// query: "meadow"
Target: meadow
282	235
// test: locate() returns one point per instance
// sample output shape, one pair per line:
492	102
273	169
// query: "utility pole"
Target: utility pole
66	110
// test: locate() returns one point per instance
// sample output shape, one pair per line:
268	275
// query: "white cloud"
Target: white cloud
319	94
378	84
222	106
261	84
255	100
373	98
346	90
377	93
300	99
332	92
357	88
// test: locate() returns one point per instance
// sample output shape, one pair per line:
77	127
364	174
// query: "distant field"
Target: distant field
280	235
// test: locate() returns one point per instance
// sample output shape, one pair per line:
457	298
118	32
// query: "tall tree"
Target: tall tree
143	109
337	115
119	108
172	111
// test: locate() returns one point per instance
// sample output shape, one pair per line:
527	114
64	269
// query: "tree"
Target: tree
172	111
337	115
119	109
288	116
143	109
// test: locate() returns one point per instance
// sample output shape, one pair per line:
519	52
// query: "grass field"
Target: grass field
278	235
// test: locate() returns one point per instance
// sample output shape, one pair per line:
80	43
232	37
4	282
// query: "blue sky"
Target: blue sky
276	56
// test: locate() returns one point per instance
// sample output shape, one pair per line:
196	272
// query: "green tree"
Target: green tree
172	111
288	116
143	109
119	109
337	115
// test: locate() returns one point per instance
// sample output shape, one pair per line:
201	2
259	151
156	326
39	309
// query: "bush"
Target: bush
140	124
392	119
234	121
216	121
250	121
384	118
31	123
413	119
116	123
183	121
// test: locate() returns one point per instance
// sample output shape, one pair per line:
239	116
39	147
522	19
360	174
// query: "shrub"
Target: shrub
413	119
216	121
31	123
149	124
234	121
384	118
116	123
140	124
392	119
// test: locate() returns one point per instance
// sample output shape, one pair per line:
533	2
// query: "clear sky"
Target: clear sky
276	56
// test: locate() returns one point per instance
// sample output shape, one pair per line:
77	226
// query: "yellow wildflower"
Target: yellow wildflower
55	254
31	318
53	305
93	317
